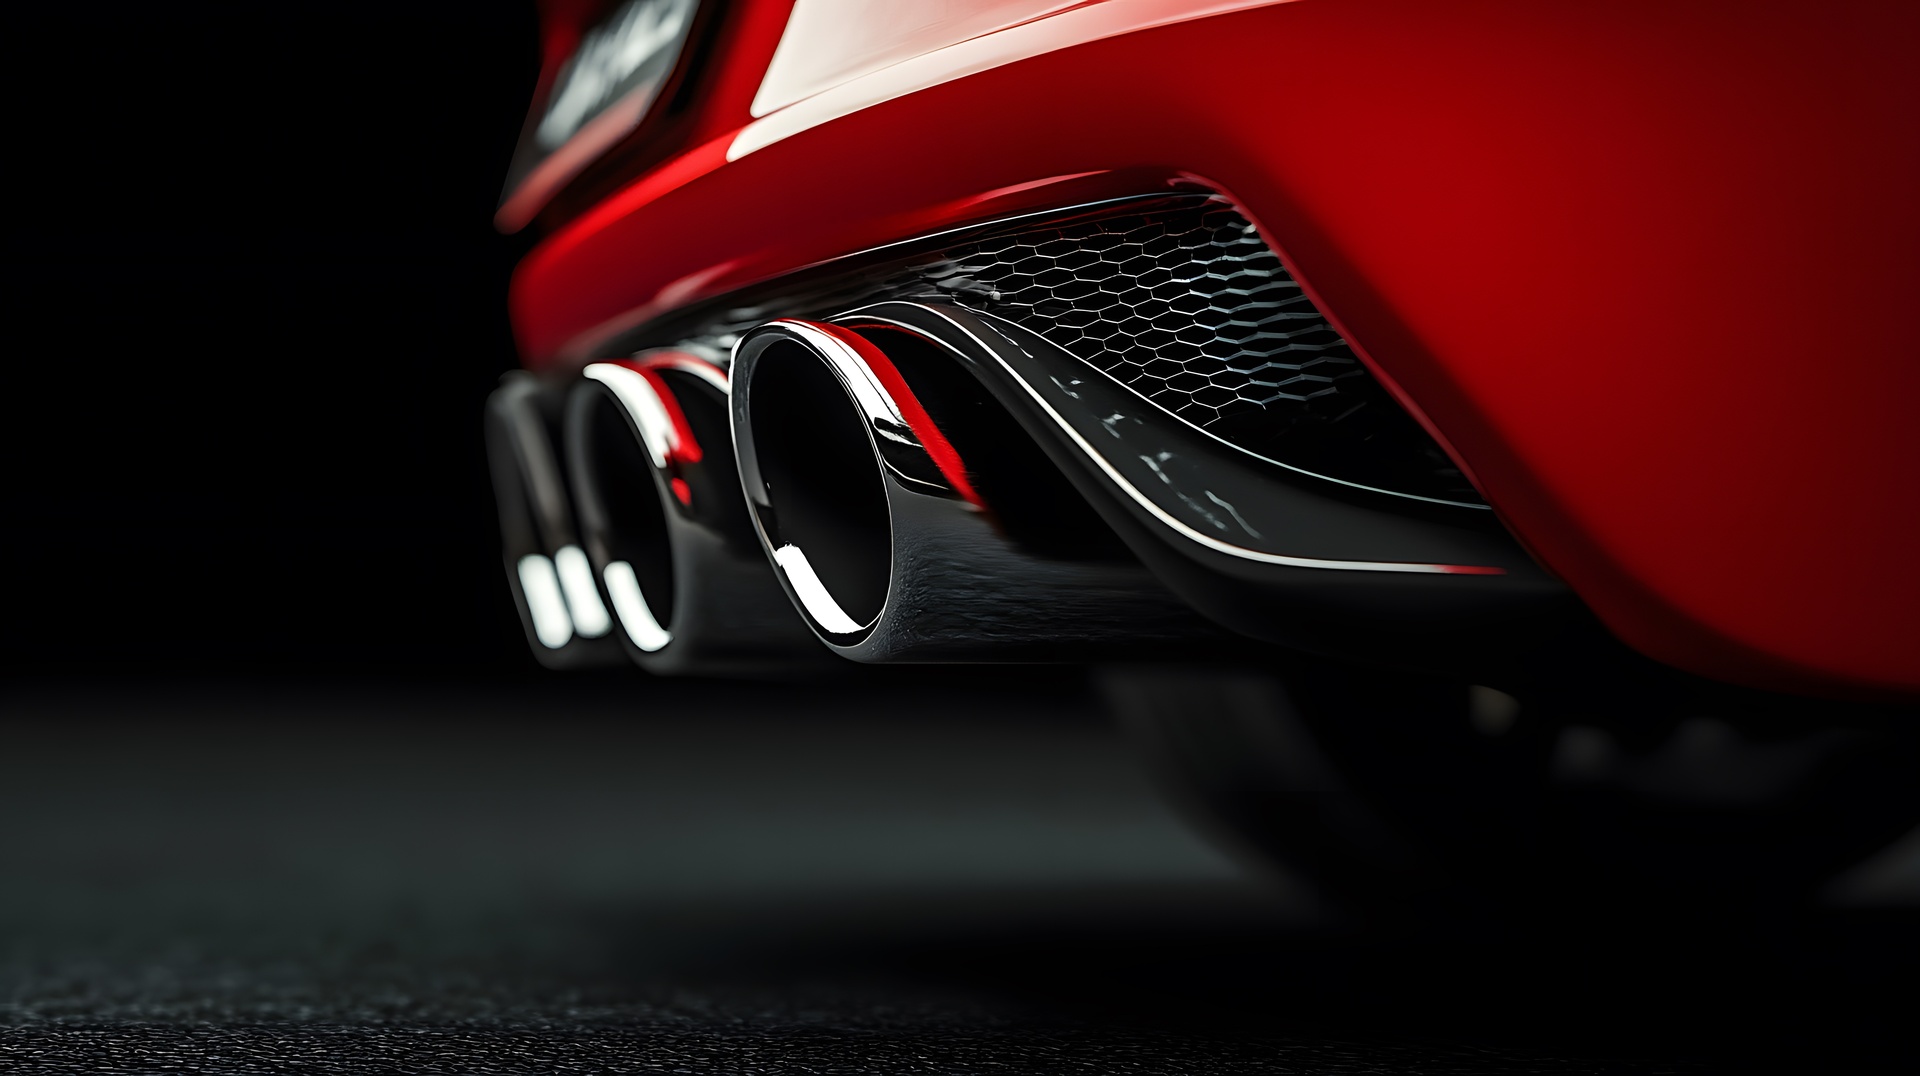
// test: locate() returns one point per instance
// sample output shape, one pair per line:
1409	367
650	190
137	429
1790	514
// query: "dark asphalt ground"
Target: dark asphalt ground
634	876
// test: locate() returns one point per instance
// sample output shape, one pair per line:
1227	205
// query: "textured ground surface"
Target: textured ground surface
649	878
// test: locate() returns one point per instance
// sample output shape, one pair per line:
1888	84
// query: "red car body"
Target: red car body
1646	269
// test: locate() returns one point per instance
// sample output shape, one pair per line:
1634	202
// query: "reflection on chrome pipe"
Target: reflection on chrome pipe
910	519
663	524
540	587
567	626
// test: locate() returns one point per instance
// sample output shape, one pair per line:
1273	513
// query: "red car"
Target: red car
1476	439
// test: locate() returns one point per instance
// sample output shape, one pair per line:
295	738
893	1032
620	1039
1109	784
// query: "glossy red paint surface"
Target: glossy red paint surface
1645	266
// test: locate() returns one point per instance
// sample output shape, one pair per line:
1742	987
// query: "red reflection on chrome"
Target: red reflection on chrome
937	447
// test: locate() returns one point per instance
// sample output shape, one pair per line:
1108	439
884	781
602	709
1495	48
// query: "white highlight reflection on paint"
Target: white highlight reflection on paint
590	617
541	587
1074	26
623	586
812	592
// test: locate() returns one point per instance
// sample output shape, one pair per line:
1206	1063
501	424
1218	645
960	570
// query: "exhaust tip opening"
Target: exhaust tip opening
830	529
624	519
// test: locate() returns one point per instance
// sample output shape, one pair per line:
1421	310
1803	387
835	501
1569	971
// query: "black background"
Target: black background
257	300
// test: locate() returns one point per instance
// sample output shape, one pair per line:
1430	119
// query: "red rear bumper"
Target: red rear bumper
1647	268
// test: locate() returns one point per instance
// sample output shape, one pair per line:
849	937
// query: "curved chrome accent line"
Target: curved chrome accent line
945	582
721	610
1120	482
1224	443
1283	465
1301	471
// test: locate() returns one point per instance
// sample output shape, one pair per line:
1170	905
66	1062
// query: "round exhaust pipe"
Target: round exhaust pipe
911	519
663	524
566	623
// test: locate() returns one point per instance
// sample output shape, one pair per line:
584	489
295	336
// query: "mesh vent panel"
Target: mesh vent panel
1196	315
1190	308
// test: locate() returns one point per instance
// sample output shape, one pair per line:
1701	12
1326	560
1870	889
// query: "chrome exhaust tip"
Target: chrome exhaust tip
910	519
663	525
566	623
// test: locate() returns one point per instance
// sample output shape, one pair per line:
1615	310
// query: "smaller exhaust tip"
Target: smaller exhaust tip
622	521
552	582
664	528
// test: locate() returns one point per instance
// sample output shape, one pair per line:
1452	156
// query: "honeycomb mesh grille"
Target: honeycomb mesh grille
1179	299
1190	308
1196	314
